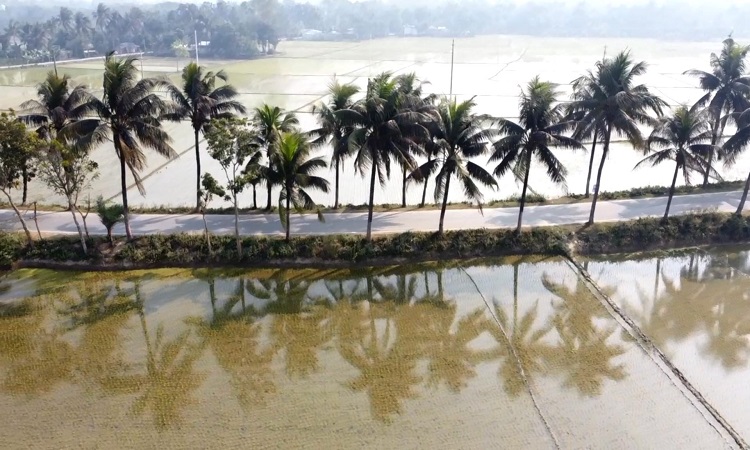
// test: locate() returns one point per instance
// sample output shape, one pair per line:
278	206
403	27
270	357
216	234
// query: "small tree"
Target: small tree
16	146
67	172
211	187
291	159
110	215
180	50
233	143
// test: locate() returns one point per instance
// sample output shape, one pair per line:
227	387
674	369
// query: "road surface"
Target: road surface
388	222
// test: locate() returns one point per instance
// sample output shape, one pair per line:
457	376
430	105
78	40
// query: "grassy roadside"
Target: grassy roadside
531	199
184	250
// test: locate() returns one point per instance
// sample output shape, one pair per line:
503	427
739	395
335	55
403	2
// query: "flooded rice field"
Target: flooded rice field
492	68
512	353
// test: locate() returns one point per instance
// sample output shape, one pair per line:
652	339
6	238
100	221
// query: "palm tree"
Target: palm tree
82	25
736	145
541	124
102	15
292	167
412	89
51	112
128	115
199	100
271	121
66	19
332	130
383	131
683	138
609	102
55	106
727	88
457	136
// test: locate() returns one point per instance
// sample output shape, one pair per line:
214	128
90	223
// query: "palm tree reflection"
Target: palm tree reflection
583	353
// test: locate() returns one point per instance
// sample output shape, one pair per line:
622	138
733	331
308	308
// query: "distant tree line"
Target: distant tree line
243	30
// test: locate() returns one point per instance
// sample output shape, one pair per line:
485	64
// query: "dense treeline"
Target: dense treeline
392	126
241	30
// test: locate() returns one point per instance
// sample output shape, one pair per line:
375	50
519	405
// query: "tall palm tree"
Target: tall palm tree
293	168
332	130
383	132
412	90
55	107
683	138
51	112
458	135
128	115
102	15
736	145
727	89
82	25
199	100
610	102
271	121
65	18
542	123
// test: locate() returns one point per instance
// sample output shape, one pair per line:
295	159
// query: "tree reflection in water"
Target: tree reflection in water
709	299
233	333
583	352
397	327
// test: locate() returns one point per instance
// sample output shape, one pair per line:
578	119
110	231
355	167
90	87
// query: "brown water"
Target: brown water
508	354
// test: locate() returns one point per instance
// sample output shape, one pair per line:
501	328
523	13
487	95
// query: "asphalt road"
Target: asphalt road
389	222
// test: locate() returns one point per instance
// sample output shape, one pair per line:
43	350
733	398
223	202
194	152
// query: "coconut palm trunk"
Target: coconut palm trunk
523	193
373	172
336	195
124	187
198	170
591	163
605	150
403	188
424	188
25	176
445	203
741	207
269	184
715	139
671	190
288	206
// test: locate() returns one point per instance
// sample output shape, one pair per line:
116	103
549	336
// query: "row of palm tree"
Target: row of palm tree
395	122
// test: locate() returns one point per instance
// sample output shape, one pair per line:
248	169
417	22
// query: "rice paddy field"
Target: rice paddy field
491	69
511	353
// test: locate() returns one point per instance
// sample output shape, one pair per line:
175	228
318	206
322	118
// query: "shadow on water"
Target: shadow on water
402	332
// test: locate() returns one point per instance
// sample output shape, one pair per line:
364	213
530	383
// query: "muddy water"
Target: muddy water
511	354
696	308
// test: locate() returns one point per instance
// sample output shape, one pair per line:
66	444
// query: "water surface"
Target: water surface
517	352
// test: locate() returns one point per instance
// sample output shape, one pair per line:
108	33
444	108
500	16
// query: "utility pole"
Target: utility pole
453	52
196	48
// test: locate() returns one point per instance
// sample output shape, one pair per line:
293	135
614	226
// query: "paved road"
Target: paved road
390	222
